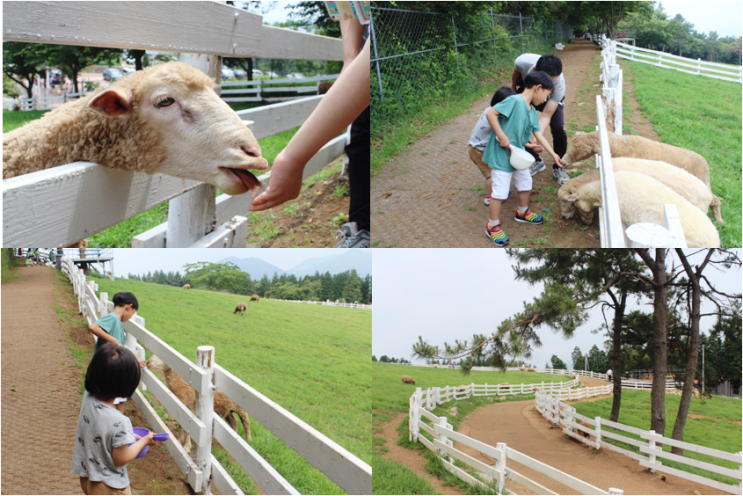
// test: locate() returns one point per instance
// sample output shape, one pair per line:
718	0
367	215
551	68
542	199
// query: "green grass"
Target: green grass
707	122
392	396
719	432
311	361
9	265
14	120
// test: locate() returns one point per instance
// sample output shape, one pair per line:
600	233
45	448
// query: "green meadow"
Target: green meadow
717	426
312	360
391	397
703	115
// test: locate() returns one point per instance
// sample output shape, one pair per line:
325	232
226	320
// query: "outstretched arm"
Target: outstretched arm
543	142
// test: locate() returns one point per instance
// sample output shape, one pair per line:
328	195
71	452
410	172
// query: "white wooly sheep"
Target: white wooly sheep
166	118
585	145
641	199
680	181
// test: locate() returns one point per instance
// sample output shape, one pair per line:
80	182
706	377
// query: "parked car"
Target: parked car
112	74
257	72
272	75
239	73
227	73
55	77
295	75
128	70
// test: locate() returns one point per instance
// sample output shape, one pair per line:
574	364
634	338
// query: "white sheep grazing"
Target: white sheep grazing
166	118
680	181
223	406
641	199
241	307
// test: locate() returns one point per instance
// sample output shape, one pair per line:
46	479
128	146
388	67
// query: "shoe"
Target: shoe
496	235
529	217
486	200
561	175
537	166
351	237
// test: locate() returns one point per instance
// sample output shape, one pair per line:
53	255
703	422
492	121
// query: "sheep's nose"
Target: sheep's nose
253	151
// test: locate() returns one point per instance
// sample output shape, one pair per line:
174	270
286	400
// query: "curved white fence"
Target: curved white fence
342	467
62	205
582	428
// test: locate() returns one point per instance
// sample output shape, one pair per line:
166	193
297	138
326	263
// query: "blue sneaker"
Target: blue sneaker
496	235
529	217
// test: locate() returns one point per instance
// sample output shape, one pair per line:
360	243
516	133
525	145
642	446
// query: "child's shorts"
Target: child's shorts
476	156
502	182
93	487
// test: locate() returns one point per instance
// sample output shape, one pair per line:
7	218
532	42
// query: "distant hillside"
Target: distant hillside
360	260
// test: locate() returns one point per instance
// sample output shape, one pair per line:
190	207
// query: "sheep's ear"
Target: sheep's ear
112	103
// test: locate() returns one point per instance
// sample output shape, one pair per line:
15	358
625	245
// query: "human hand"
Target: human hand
149	439
285	184
141	363
558	162
504	143
534	145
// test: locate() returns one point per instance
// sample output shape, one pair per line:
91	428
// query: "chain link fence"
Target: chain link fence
423	56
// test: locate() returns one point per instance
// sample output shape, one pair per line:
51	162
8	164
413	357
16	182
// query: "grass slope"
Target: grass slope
312	360
717	427
703	115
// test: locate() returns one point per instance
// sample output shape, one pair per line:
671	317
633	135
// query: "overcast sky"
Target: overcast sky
448	294
724	17
140	261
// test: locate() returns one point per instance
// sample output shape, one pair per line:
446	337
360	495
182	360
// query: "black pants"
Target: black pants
359	169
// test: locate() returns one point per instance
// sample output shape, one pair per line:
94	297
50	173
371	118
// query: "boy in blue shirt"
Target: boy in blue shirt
514	120
110	328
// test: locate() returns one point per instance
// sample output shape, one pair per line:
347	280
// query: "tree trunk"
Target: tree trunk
691	366
616	358
660	344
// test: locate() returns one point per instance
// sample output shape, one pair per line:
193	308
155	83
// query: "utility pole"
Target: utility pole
702	369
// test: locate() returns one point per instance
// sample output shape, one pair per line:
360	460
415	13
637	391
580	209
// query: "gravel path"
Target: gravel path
40	402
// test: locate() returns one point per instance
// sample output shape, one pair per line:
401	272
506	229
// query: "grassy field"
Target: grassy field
311	360
703	115
717	425
391	396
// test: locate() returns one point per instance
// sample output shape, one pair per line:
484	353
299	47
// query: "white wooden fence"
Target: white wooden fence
664	60
492	477
337	463
59	206
328	303
583	428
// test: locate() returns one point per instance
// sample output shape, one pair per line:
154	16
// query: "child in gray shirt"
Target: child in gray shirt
103	433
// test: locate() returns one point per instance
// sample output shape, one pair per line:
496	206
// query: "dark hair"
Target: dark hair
113	373
538	77
500	95
551	64
121	299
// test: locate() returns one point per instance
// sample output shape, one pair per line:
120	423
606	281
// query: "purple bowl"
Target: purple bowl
141	432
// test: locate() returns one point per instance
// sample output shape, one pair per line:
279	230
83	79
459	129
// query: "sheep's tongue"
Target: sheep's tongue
248	179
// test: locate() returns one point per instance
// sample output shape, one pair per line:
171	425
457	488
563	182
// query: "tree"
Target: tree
597	360
21	62
73	59
557	363
226	276
577	357
374	358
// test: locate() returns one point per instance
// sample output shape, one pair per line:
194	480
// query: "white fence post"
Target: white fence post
205	412
651	446
598	432
103	305
614	490
500	466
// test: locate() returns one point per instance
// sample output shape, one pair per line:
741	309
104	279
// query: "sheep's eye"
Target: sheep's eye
164	102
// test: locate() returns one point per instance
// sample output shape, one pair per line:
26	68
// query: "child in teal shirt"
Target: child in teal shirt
514	121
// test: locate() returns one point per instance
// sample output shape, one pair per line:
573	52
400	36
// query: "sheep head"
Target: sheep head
154	363
582	146
587	198
200	137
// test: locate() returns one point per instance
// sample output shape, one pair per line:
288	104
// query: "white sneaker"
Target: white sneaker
561	175
537	166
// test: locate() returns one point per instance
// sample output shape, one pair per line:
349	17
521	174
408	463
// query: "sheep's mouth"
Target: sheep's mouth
244	177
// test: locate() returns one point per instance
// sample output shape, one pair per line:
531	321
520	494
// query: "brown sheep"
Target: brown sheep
530	370
324	87
408	380
255	298
186	286
241	307
505	385
223	406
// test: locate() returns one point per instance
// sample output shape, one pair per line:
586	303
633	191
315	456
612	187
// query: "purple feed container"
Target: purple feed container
141	432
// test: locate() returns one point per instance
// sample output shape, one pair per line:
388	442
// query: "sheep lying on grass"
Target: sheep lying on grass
241	307
408	380
186	286
255	298
585	145
165	119
641	199
223	406
680	181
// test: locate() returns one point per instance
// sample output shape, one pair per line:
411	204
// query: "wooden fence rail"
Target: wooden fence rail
573	424
59	206
338	464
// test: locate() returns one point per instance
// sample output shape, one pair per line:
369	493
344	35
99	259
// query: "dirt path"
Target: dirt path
40	403
522	428
431	195
413	459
